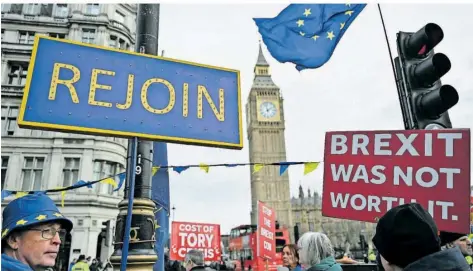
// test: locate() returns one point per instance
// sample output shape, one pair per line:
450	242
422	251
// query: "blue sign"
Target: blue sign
84	88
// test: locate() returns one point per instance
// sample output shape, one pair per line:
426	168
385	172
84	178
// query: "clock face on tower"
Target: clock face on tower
268	110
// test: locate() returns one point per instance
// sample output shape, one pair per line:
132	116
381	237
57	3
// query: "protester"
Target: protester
406	239
316	252
81	264
451	239
72	264
290	257
194	261
32	228
95	265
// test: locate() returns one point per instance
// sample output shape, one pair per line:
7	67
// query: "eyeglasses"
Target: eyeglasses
50	233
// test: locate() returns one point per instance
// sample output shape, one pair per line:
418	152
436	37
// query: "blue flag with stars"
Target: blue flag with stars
307	34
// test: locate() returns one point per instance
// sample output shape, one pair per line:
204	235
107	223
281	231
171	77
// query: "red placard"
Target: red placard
186	236
266	232
367	173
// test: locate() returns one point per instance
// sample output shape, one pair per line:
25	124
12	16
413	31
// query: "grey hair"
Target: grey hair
195	256
314	247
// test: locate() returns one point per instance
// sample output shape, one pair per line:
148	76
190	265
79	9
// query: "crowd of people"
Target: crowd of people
87	264
406	239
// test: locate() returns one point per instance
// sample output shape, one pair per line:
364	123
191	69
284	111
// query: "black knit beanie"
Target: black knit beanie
406	234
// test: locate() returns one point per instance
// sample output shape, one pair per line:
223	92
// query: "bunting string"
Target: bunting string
111	180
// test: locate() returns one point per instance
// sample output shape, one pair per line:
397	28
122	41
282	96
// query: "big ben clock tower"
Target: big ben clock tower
265	122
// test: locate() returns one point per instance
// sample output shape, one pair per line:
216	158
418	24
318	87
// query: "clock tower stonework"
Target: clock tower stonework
265	122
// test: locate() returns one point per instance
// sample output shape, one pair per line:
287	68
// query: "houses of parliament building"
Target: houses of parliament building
265	133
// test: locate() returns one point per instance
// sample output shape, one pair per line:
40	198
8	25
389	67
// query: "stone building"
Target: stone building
38	160
344	234
265	127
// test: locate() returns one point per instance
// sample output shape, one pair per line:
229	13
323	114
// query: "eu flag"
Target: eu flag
307	34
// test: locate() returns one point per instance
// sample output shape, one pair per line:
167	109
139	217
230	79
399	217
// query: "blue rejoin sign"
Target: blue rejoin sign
82	88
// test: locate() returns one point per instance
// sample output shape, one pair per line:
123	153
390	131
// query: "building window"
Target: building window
57	35
311	226
119	17
31	9
70	173
3	34
80	222
4	169
17	75
9	115
88	35
112	41
61	10
26	37
92	9
104	169
32	173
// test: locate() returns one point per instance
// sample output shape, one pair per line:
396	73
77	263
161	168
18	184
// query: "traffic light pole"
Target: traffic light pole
135	233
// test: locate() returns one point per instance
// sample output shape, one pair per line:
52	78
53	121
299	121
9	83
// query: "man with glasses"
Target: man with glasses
32	230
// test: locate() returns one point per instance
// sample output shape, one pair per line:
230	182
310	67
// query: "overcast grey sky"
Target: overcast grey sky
355	90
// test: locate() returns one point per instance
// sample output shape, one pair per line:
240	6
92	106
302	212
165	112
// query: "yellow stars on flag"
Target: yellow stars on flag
302	33
300	23
342	25
41	217
315	37
21	222
349	12
330	35
307	12
4	233
57	215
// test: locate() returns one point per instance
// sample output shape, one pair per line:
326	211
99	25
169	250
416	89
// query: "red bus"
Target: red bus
243	248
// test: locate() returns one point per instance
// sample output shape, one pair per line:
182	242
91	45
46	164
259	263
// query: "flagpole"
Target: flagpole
387	42
406	117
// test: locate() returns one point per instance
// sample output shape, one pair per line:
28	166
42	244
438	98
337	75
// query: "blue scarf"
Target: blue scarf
10	264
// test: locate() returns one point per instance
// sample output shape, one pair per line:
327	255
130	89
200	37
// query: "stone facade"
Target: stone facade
265	122
38	160
266	138
344	234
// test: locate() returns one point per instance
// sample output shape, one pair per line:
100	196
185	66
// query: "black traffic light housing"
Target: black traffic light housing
424	100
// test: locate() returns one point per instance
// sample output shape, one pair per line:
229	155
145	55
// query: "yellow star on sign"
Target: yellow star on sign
4	233
21	222
349	12
330	35
307	12
57	215
41	217
315	37
342	25
156	226
302	33
300	23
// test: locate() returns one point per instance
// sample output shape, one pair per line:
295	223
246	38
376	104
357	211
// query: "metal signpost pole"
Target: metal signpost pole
138	235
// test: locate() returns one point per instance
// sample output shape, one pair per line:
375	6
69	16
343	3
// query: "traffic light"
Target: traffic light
424	100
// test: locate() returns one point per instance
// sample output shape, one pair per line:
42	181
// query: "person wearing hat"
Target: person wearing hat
406	239
81	265
32	228
452	239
